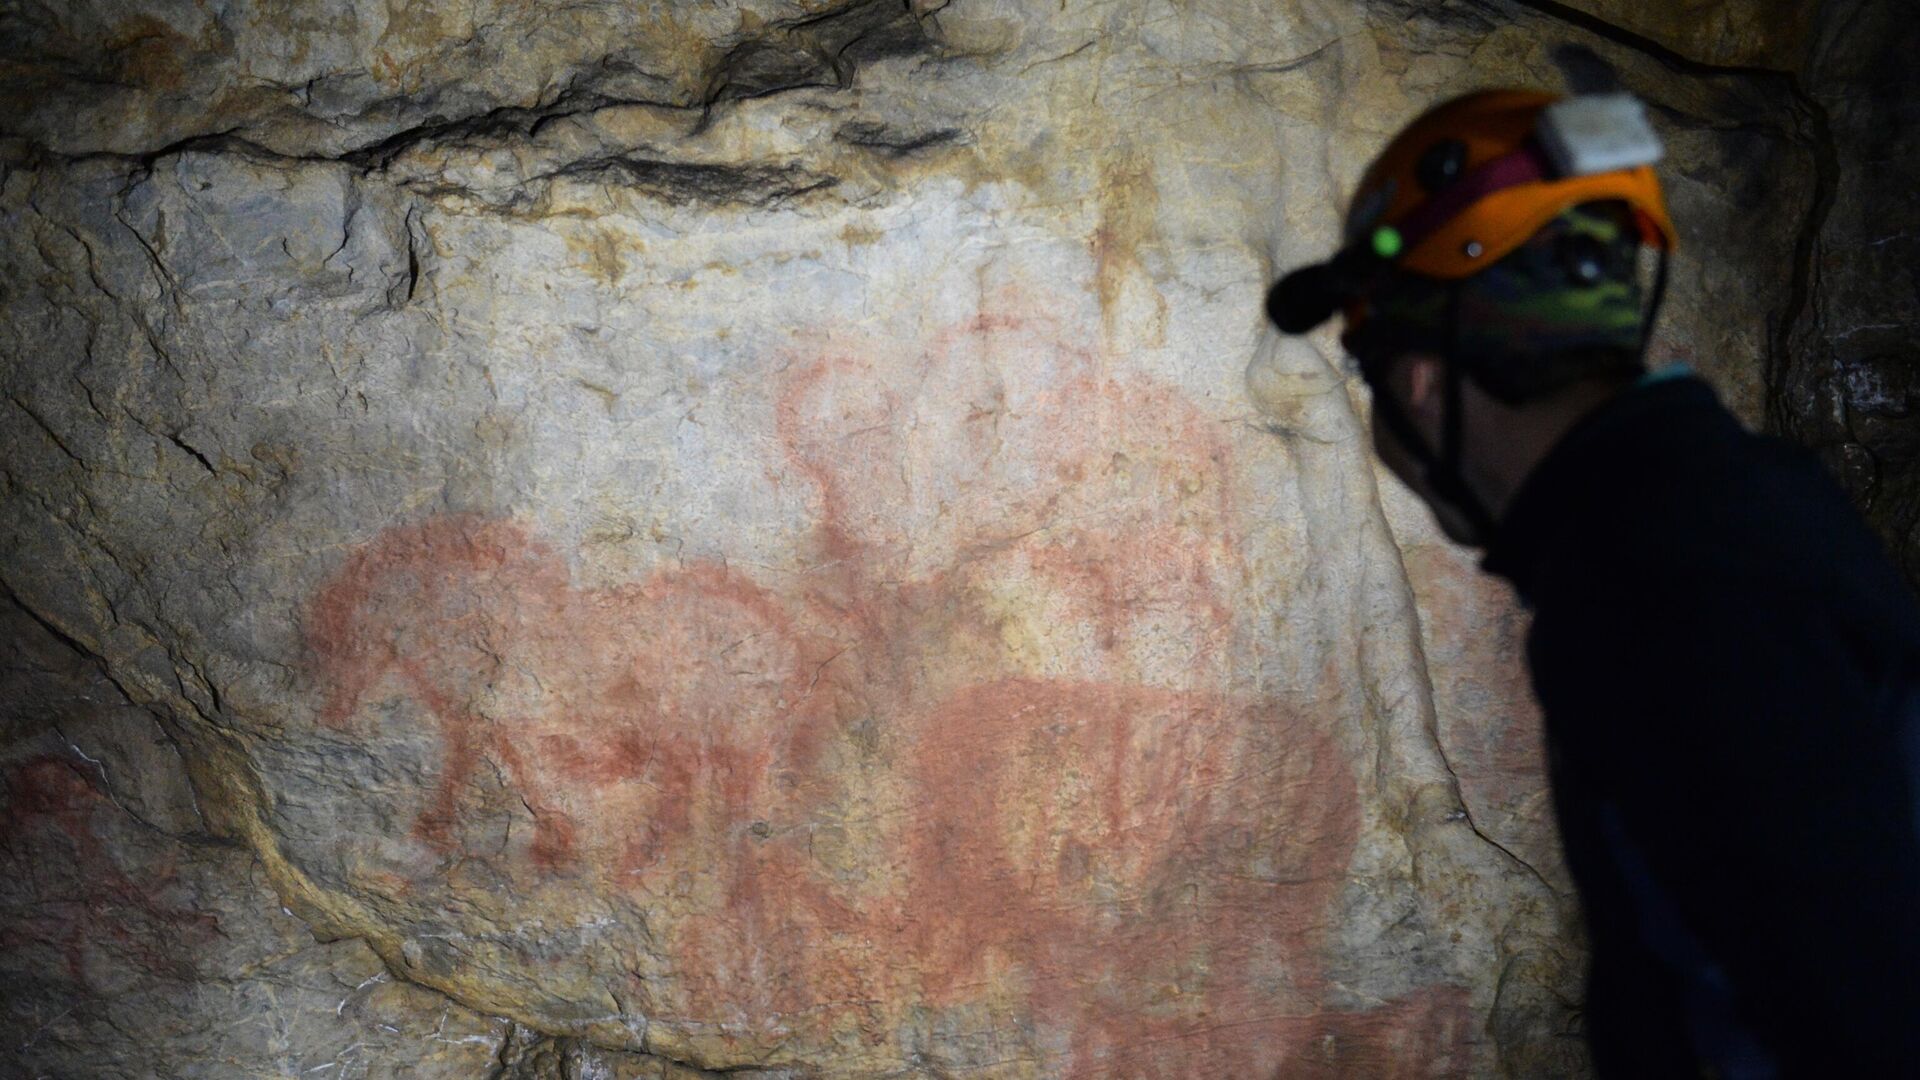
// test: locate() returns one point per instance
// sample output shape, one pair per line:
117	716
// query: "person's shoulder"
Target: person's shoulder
1669	503
1715	493
1748	549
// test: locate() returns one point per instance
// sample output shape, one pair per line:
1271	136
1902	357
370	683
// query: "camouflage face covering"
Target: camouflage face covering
1573	285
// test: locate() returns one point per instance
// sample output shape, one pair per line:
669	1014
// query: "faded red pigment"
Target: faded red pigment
682	691
1004	680
102	919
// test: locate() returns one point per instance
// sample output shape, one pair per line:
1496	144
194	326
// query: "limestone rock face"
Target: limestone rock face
139	944
1770	34
1849	381
617	540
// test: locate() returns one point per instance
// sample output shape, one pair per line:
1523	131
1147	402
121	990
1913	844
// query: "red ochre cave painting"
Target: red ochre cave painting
980	755
66	888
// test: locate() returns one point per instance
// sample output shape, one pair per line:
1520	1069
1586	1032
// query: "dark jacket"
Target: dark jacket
1729	668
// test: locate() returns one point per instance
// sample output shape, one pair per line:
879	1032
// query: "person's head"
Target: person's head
1491	286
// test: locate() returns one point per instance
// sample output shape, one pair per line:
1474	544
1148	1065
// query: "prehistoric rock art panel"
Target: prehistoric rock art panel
979	758
117	921
1033	707
119	940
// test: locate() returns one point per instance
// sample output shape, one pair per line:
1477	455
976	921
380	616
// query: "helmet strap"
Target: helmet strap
1444	474
1443	469
1653	306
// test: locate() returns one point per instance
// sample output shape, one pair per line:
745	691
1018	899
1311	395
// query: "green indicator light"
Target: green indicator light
1386	241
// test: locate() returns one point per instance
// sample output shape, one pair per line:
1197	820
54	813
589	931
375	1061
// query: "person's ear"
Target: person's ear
1422	375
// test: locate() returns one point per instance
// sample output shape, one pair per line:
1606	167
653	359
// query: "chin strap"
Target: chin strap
1443	473
1442	469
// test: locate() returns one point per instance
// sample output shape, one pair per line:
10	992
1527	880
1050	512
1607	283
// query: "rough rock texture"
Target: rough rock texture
1763	36
1849	380
550	539
137	943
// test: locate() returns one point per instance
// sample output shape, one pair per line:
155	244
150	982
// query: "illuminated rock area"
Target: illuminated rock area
577	540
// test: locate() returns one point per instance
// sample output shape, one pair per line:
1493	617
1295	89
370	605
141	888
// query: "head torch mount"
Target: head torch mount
1583	136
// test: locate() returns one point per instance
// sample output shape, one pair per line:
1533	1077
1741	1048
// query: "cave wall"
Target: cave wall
551	539
1848	376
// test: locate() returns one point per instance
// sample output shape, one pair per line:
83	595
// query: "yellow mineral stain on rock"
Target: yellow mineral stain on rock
601	252
635	124
1128	202
1767	33
148	52
998	160
1020	637
607	397
854	235
414	32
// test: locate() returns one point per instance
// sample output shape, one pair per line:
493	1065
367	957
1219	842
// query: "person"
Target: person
1727	664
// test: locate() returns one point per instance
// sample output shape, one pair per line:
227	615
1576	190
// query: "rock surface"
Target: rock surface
1848	376
138	944
1776	35
571	540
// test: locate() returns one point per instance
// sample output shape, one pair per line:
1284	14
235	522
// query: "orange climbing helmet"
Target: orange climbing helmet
1472	180
1500	231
